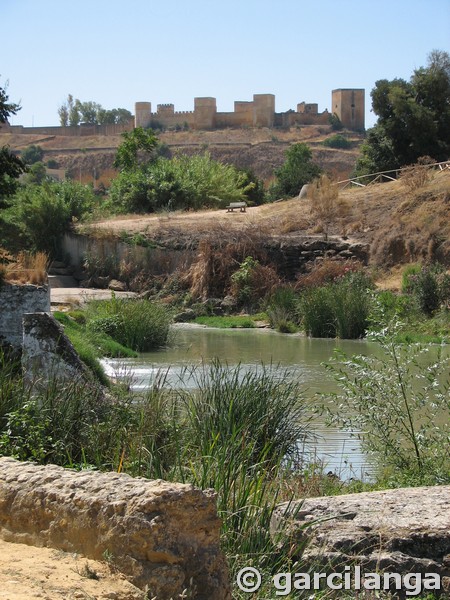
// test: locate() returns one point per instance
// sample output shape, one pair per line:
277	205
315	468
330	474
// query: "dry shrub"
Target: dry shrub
26	268
218	258
327	271
291	223
326	205
416	176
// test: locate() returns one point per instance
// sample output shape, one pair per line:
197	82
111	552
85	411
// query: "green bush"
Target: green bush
182	182
136	323
429	286
297	170
337	141
338	309
32	154
282	309
41	214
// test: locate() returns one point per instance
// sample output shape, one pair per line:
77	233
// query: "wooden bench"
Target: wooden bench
241	205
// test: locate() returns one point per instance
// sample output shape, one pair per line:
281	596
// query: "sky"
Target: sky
117	53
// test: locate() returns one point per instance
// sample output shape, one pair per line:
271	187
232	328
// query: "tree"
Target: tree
75	112
137	141
32	154
11	167
297	170
413	118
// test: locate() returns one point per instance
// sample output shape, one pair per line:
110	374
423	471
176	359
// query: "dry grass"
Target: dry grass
399	225
24	268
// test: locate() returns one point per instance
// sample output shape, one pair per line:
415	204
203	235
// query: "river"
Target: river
304	357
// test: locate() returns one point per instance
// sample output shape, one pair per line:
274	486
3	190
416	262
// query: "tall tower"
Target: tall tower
142	114
205	110
348	105
263	110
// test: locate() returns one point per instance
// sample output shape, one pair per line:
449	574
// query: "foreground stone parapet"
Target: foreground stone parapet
403	530
164	537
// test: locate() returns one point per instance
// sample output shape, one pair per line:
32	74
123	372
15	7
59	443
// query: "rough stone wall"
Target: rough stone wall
15	301
402	531
72	131
161	535
205	110
290	257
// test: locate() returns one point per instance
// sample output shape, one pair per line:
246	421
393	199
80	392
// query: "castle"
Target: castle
347	104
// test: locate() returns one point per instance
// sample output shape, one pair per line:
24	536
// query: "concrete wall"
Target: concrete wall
15	301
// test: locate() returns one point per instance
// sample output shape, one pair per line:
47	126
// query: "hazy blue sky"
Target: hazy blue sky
116	53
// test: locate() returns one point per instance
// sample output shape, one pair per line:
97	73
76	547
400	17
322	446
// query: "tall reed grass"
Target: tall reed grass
338	309
136	323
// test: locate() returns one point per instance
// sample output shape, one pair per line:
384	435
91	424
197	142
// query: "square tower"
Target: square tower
348	105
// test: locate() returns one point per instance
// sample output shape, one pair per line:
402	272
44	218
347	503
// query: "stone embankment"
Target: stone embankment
402	531
164	537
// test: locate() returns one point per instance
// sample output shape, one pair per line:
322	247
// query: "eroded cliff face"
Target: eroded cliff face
164	537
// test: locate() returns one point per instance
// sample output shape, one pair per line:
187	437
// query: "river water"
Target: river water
339	451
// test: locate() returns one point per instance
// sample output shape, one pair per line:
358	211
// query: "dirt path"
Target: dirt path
27	572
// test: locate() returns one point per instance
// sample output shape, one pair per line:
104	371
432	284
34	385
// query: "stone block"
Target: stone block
164	537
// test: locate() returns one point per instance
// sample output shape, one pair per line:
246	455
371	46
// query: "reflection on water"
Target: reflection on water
303	357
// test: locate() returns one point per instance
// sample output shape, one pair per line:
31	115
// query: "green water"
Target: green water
304	357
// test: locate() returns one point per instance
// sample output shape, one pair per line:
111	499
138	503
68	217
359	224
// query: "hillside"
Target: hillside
399	225
260	149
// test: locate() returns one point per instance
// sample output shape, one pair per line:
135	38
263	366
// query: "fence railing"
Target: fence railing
387	175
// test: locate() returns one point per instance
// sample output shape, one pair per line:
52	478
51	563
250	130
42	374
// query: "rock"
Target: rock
228	304
304	191
100	282
117	286
185	316
15	301
402	531
47	352
165	536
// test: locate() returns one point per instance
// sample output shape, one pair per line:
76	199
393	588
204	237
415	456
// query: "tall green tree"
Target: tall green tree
413	118
297	170
75	112
11	167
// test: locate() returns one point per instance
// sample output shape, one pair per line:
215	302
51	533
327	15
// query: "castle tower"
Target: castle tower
263	110
142	114
205	111
348	105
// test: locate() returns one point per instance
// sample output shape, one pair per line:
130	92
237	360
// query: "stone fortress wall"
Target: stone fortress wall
347	104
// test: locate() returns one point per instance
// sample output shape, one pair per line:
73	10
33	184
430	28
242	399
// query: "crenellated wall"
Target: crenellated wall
260	112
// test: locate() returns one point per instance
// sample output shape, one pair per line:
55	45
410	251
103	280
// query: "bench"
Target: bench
241	205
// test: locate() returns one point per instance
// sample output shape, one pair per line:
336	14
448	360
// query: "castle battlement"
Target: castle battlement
347	104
